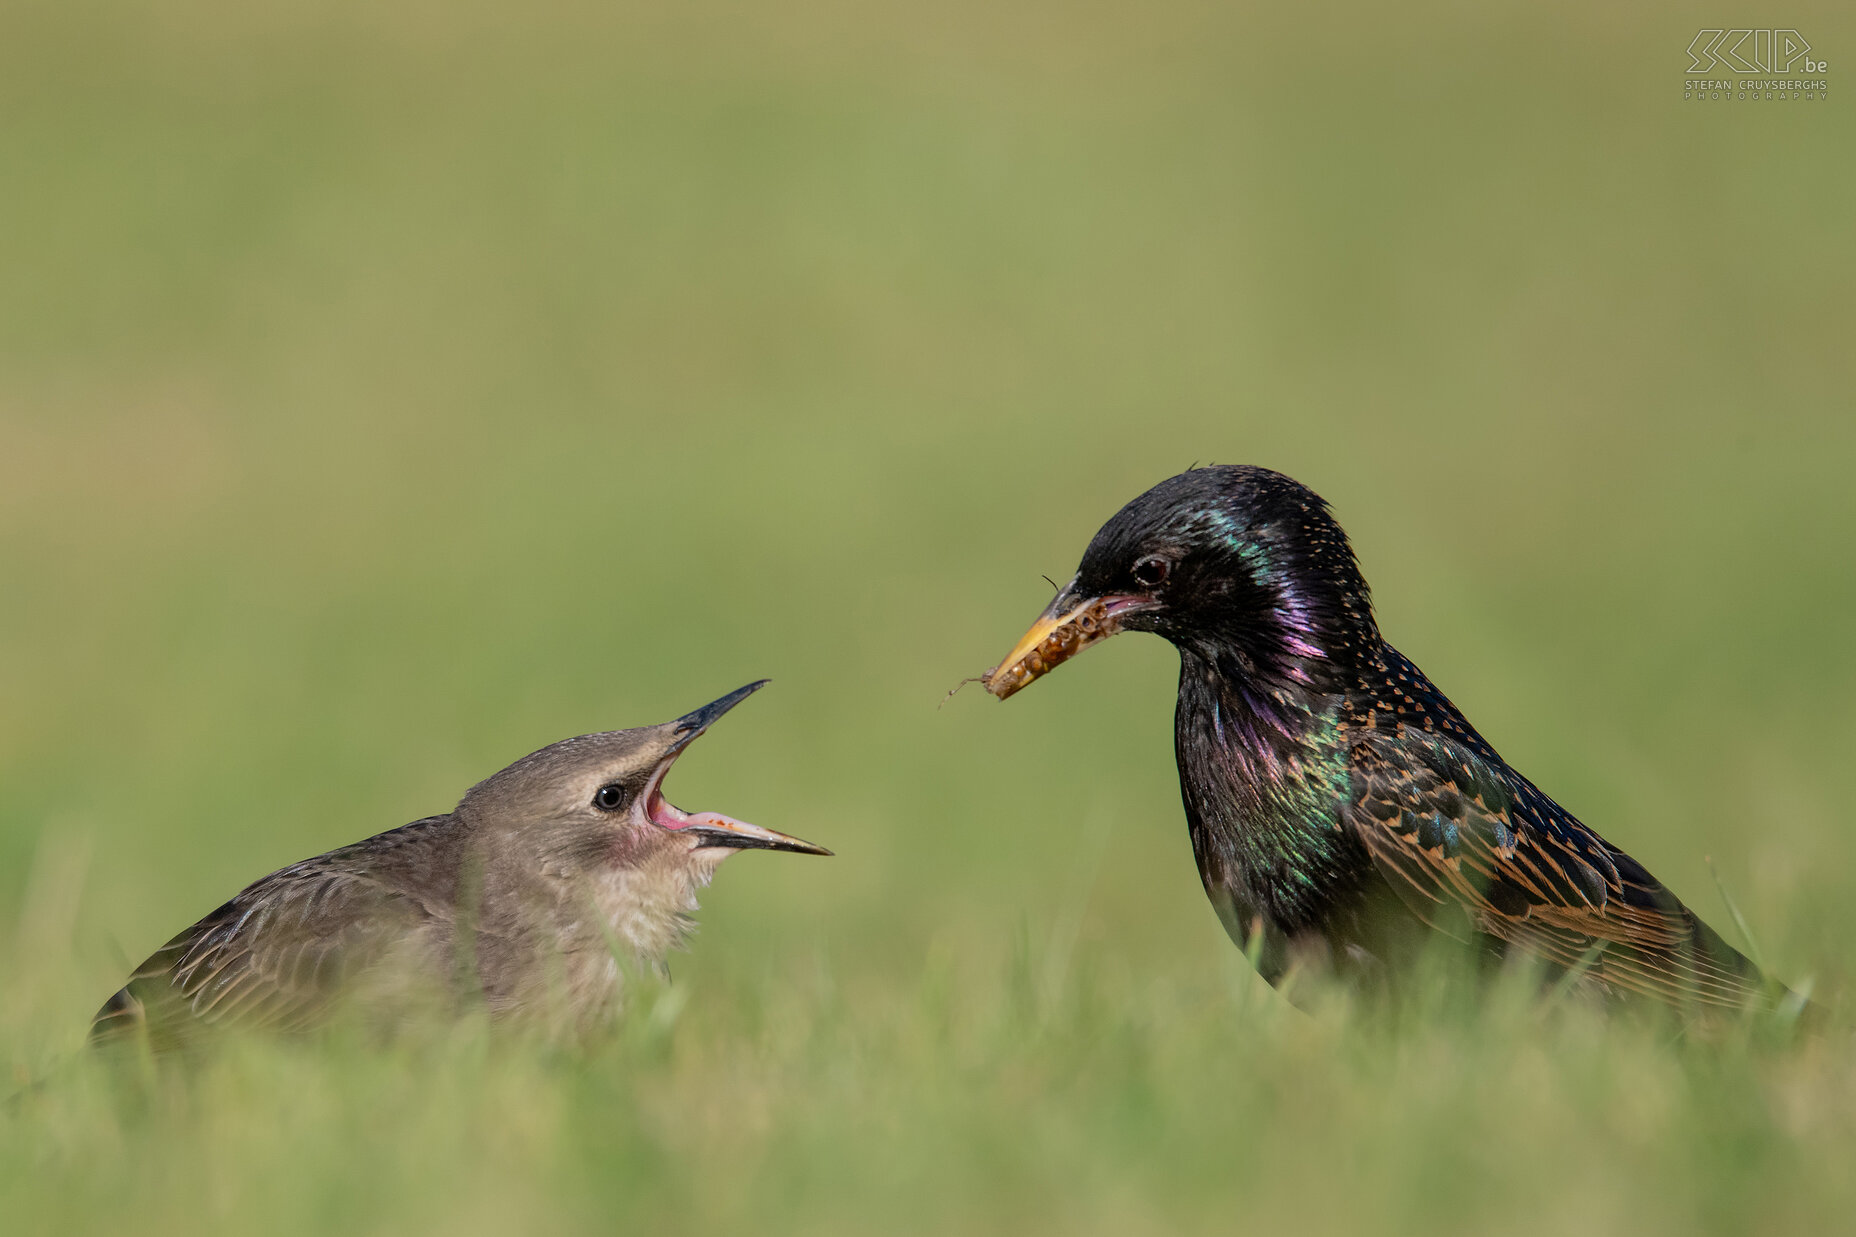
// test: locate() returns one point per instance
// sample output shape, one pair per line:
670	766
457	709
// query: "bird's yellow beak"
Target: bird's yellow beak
1067	627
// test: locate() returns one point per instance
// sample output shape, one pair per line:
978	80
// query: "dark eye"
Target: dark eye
1151	572
610	798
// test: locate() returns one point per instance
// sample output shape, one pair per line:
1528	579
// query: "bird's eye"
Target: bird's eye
1151	572
610	798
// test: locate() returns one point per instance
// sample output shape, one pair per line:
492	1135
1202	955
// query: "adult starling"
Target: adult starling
524	896
1341	808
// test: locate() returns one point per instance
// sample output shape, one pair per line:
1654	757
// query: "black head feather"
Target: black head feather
1246	566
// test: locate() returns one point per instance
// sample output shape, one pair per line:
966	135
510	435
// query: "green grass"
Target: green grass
388	390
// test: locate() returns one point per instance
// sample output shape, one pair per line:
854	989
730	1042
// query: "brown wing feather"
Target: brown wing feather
1472	851
275	956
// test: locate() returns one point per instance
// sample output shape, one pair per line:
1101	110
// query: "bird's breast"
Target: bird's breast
1262	797
650	911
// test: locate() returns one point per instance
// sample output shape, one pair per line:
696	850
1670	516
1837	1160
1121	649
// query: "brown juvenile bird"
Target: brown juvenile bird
1342	810
525	896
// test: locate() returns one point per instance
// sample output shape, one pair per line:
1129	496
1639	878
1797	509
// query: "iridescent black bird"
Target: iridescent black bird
1339	804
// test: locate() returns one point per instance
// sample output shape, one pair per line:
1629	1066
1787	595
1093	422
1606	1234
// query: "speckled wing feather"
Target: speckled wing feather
1466	844
276	956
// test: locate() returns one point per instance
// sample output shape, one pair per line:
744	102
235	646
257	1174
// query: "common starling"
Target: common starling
1341	809
525	897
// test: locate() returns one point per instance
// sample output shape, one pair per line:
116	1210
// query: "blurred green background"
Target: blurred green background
389	389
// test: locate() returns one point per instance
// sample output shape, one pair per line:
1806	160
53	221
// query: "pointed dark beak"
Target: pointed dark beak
692	724
717	831
712	830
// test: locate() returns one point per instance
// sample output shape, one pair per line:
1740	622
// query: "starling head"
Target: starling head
596	801
1241	564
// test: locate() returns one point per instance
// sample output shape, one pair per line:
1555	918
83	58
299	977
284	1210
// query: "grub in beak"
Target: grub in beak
1066	628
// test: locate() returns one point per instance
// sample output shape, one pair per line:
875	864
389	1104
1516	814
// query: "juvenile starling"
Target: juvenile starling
525	896
1341	808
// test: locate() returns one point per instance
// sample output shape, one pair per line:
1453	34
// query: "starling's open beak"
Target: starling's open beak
1068	625
715	831
711	830
687	728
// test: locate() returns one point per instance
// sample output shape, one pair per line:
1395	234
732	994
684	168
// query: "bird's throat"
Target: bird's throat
1262	773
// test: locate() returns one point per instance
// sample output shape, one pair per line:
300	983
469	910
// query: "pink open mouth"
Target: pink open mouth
712	829
659	810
